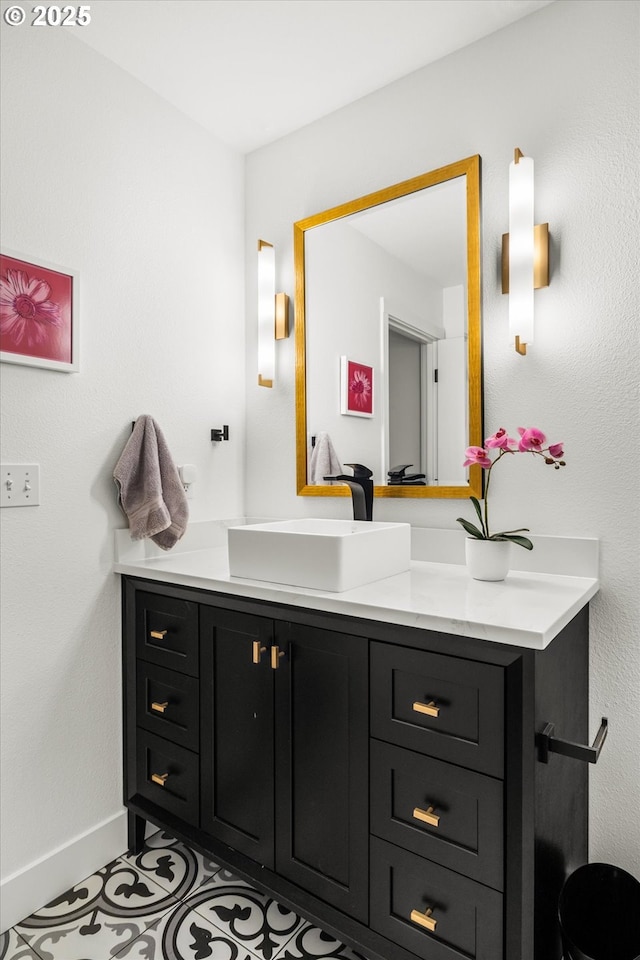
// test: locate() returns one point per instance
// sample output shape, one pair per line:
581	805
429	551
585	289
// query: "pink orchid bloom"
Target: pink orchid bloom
531	439
500	440
476	455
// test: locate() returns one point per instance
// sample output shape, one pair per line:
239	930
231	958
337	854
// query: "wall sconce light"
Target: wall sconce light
273	314
525	252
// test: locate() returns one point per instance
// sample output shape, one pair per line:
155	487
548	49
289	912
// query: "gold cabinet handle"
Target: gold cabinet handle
257	651
276	654
160	707
427	816
431	709
424	919
158	634
159	778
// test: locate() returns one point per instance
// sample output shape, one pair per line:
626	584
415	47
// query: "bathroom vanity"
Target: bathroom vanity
370	760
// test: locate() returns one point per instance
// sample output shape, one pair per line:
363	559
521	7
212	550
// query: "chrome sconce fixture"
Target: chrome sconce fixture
273	314
525	252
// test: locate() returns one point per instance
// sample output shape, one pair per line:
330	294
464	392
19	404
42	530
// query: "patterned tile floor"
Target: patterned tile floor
167	903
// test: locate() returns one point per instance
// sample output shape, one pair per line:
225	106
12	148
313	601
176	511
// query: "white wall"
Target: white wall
453	401
563	86
101	174
453	404
454	310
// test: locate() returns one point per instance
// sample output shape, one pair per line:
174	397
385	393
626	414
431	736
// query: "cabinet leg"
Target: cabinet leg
136	827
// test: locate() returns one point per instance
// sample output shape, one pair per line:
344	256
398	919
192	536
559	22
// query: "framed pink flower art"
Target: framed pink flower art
38	314
356	388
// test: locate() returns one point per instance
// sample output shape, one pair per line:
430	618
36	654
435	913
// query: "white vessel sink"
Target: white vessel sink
332	555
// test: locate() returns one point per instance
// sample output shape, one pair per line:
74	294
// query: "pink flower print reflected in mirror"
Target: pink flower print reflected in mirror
356	388
360	390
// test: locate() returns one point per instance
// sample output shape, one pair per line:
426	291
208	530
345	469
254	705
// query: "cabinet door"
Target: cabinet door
237	731
321	738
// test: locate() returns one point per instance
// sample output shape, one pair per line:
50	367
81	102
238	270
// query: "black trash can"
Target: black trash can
599	912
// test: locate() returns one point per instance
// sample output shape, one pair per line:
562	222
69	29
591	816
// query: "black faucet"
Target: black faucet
361	486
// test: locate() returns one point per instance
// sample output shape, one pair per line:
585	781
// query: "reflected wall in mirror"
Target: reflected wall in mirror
392	281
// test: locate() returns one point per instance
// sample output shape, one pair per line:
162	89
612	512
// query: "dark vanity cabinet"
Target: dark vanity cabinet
381	780
284	750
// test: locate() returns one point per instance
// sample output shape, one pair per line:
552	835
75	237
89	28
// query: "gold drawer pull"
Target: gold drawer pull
431	709
424	919
257	651
427	816
158	634
276	653
160	707
159	778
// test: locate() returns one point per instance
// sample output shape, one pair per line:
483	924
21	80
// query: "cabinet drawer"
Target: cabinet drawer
167	632
467	915
464	828
167	704
176	772
446	707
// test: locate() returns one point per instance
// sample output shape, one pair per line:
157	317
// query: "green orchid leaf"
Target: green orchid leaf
507	533
469	527
476	504
521	541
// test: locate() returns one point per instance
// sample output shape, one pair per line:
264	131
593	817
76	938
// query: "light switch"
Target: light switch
20	484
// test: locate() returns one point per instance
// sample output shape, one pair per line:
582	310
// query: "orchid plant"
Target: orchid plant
531	441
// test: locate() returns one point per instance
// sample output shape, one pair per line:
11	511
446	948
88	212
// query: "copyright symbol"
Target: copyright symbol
14	16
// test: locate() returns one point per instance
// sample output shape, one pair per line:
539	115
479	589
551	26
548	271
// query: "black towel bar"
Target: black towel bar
547	744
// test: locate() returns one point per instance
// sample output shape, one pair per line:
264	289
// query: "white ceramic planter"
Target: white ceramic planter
487	559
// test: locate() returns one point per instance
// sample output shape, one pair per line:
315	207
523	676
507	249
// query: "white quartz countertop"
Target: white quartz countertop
528	609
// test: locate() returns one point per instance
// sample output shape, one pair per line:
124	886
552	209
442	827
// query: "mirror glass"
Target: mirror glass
388	337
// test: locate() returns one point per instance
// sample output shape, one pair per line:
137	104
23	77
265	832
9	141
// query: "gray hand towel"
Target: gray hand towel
150	491
324	460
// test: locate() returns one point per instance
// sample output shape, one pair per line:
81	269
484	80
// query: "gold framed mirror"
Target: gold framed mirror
388	285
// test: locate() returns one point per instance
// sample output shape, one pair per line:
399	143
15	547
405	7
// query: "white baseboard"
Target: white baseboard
24	892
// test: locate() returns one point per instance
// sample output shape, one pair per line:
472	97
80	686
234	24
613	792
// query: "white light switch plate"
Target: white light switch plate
19	484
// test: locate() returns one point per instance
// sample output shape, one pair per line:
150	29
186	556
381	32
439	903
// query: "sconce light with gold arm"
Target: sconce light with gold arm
525	252
273	314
